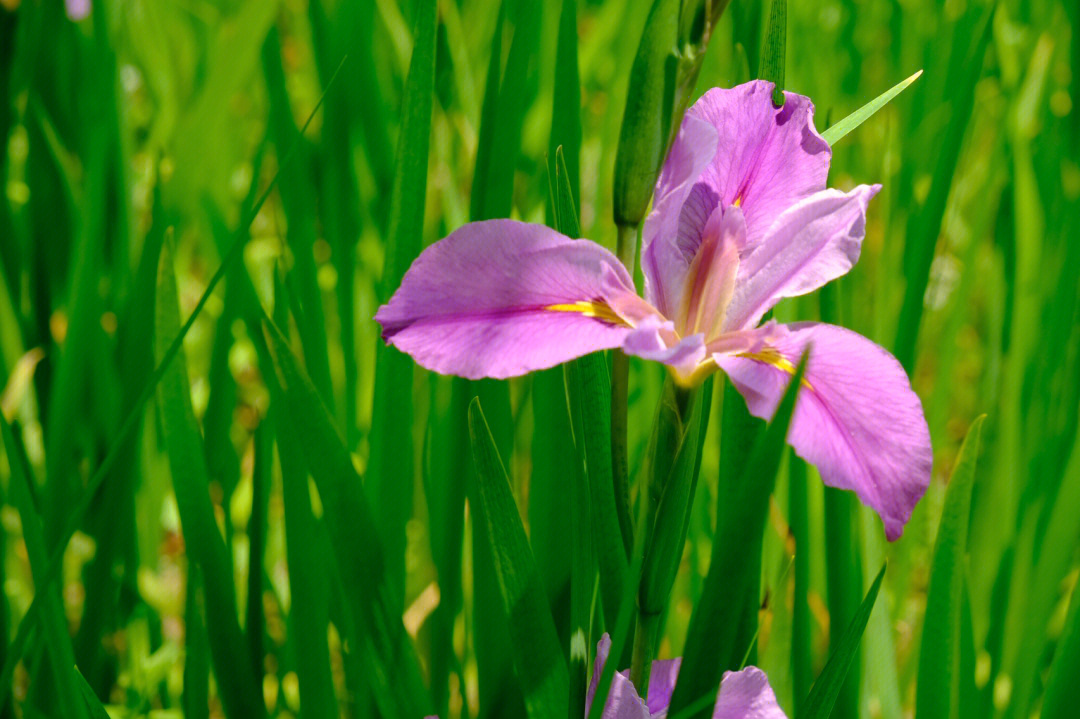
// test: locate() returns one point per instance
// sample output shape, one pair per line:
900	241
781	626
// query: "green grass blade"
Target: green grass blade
391	472
924	226
1062	690
837	131
75	516
798	520
566	111
558	543
714	641
537	656
240	690
819	704
774	54
938	683
255	623
196	696
309	613
90	700
844	581
54	625
352	529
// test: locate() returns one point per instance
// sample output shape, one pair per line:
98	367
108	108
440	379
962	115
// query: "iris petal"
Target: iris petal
501	298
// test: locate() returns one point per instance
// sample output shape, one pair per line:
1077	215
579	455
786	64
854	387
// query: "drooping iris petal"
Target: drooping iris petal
811	243
746	694
856	419
500	298
766	159
664	259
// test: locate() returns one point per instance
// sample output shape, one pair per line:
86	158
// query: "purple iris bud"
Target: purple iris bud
741	219
744	694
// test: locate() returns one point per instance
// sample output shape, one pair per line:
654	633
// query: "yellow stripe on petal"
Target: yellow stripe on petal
598	310
770	356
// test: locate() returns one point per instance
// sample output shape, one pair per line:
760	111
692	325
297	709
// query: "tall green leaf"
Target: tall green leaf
357	546
54	625
938	683
391	469
714	642
819	704
924	227
241	691
538	660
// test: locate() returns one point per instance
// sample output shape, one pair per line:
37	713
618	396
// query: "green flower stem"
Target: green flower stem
644	640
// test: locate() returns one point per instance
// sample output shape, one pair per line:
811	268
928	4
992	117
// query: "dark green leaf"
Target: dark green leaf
538	659
391	472
938	684
714	642
241	691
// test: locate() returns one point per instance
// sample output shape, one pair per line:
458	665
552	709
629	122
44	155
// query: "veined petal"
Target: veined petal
500	298
746	694
766	159
623	701
811	243
664	259
856	419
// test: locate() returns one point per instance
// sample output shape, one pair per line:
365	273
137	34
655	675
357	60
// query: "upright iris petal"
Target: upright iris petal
744	694
741	219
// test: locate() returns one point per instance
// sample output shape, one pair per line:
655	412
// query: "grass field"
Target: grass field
224	495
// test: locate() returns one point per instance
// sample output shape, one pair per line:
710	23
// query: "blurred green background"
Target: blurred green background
150	125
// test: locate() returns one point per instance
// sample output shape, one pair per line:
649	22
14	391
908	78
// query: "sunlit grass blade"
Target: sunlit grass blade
352	529
61	656
838	130
240	690
538	659
718	637
938	682
774	52
823	695
391	470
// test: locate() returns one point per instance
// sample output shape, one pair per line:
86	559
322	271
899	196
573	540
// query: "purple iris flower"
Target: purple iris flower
741	219
744	694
